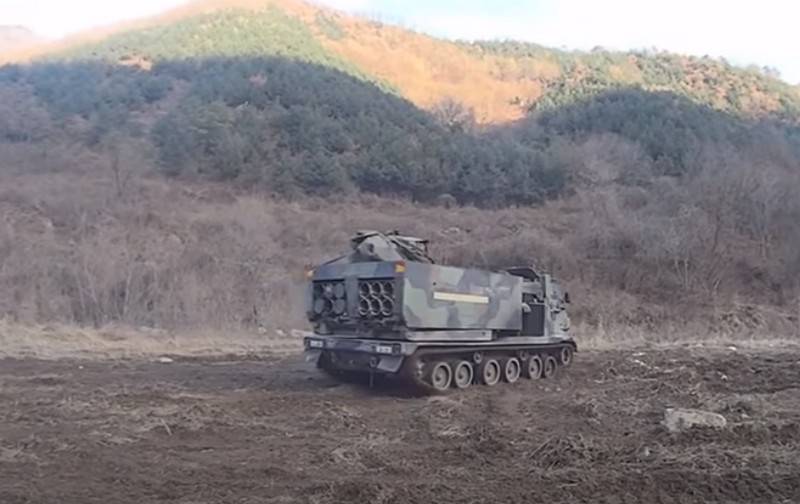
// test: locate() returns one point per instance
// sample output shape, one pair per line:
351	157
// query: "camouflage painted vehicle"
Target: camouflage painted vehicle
387	308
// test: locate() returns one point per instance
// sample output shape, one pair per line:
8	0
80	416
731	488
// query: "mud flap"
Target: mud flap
313	355
390	364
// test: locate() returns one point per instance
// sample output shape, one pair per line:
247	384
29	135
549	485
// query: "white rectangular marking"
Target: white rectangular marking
460	298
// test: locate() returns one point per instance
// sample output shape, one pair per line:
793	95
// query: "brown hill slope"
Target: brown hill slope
498	82
426	70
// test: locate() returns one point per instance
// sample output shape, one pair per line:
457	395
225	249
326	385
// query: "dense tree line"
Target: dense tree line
255	98
293	127
742	92
670	128
250	120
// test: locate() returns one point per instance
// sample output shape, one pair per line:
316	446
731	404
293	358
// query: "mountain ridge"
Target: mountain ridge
497	82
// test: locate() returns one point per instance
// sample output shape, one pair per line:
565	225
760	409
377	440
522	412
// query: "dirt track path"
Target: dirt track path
258	431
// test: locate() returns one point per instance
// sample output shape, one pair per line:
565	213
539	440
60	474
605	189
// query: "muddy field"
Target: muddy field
273	430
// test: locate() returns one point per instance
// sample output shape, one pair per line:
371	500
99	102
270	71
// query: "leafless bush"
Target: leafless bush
91	244
454	115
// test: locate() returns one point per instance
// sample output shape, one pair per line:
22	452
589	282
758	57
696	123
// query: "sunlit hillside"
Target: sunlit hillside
498	81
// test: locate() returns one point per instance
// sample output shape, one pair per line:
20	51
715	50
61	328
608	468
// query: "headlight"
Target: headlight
383	349
314	343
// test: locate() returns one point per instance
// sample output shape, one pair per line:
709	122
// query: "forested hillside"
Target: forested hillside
648	179
498	81
272	97
751	92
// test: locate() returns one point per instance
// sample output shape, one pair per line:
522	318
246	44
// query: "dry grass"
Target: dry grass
61	341
693	335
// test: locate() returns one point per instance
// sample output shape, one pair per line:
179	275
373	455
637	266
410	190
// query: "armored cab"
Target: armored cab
387	308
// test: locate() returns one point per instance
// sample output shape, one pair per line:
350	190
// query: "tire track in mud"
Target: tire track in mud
267	430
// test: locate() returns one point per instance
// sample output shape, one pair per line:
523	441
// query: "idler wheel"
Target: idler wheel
566	355
550	367
511	370
534	368
463	375
489	372
441	376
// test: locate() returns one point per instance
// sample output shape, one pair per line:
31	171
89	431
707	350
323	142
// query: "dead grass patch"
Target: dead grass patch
58	341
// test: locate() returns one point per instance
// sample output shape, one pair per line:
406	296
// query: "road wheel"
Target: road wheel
550	367
463	375
413	371
566	356
441	376
511	370
489	372
534	368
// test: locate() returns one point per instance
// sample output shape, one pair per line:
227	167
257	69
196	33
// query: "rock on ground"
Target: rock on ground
679	420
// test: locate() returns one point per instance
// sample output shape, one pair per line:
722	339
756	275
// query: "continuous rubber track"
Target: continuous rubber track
417	369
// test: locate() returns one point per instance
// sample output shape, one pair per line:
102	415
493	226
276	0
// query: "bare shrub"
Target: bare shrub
454	115
90	245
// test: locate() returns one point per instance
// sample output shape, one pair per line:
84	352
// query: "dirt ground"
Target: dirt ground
258	430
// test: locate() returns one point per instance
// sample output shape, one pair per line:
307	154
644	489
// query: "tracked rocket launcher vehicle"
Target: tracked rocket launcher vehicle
387	308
